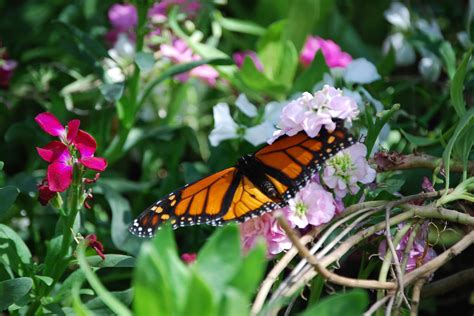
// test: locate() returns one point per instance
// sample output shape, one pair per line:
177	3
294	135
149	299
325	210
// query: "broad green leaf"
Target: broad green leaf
45	279
287	65
97	306
112	91
76	278
418	140
220	259
145	61
111	261
11	291
8	195
234	303
351	303
13	251
449	58
311	75
457	86
240	26
200	299
256	80
250	273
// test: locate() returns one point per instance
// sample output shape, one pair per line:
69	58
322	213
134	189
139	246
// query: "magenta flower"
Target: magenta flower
312	205
189	258
123	17
420	253
92	242
75	146
158	13
7	68
239	58
346	169
265	226
44	193
331	51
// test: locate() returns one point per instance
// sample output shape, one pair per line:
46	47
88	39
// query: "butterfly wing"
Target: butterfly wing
201	202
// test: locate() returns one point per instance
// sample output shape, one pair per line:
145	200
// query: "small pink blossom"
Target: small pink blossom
189	258
239	58
331	51
7	67
158	13
123	17
312	205
348	168
265	226
91	241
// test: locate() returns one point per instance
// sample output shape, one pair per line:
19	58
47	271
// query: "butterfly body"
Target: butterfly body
258	183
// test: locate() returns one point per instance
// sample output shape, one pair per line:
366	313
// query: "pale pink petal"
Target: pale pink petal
94	163
53	151
50	124
59	176
85	143
72	129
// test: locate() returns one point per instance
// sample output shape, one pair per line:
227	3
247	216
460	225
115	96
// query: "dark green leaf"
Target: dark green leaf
111	261
199	301
219	260
144	61
312	75
97	305
352	303
240	26
1	165
13	251
387	63
457	86
374	129
12	291
418	140
8	195
45	279
449	58
112	91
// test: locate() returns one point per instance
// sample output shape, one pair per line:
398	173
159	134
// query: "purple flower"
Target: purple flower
419	254
311	206
265	226
123	17
331	51
7	67
159	11
239	58
346	169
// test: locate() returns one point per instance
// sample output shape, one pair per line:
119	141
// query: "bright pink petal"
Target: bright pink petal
85	143
94	163
59	176
72	129
50	124
53	151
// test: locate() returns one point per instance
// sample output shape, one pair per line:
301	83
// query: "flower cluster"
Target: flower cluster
75	147
312	112
7	67
332	53
418	255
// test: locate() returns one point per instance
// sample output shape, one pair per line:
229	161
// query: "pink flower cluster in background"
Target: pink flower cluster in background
75	146
332	53
312	112
7	68
158	13
124	19
420	253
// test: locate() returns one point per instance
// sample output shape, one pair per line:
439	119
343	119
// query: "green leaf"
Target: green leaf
387	63
11	291
75	279
199	301
256	80
145	61
457	86
251	271
45	279
13	251
1	165
351	303
311	75
97	306
449	58
418	140
374	128
111	261
240	26
234	303
8	195
219	260
112	92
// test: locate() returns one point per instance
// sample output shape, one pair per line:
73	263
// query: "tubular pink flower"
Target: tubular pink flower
331	51
123	17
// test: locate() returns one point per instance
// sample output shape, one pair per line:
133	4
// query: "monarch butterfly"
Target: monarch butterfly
258	183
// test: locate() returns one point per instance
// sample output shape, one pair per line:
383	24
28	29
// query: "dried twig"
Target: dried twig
449	283
415	296
377	305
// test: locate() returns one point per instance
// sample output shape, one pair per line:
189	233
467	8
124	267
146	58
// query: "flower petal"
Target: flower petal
245	106
94	163
53	151
224	125
361	71
50	124
59	176
85	143
72	129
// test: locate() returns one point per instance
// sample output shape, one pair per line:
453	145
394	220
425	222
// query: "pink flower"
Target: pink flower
7	67
188	258
179	52
312	205
123	17
62	154
346	169
239	58
92	242
158	12
265	226
419	254
331	51
44	193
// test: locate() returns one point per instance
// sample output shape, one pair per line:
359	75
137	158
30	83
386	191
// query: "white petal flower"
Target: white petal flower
124	49
361	71
404	51
224	125
273	112
245	106
430	68
430	29
398	15
259	134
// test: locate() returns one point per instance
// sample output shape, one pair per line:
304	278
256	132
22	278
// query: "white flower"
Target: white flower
224	125
404	51
398	15
260	133
361	71
245	106
430	68
430	29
